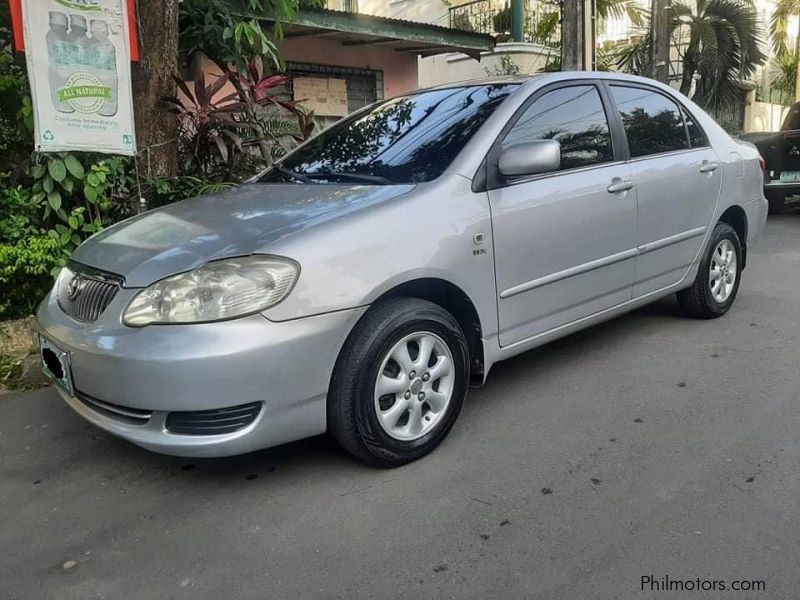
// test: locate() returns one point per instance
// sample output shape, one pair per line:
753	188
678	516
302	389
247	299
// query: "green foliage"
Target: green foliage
782	13
16	112
507	66
80	197
26	272
782	73
231	36
19	214
11	372
725	47
225	135
70	197
167	191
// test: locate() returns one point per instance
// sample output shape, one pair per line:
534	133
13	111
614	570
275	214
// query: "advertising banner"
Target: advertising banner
79	67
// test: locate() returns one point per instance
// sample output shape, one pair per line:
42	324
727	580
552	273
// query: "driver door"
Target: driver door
565	241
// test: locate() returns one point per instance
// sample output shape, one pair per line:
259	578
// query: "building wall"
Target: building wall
763	116
399	68
453	67
434	12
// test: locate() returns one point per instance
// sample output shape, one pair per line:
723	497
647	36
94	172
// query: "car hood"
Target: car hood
245	220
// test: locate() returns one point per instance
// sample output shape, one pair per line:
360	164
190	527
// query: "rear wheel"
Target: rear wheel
777	202
399	383
717	283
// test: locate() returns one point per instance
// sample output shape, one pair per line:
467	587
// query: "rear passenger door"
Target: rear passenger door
677	177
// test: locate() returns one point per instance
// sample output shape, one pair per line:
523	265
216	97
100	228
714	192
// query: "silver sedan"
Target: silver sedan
361	285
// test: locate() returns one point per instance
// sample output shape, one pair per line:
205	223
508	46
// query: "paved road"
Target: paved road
649	445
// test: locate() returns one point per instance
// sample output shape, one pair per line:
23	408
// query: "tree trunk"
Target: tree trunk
572	35
659	36
690	58
156	129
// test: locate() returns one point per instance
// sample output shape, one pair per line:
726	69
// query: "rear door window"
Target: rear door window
653	123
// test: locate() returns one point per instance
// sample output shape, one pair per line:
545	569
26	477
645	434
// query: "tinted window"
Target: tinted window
409	139
697	138
573	116
652	121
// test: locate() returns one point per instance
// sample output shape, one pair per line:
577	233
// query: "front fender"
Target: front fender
441	230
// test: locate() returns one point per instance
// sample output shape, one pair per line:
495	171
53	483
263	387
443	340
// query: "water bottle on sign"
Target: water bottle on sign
104	59
58	59
77	43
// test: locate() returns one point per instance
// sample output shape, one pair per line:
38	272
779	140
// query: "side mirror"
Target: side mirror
530	158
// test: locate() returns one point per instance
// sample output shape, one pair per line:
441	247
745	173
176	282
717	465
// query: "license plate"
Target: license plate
55	364
790	176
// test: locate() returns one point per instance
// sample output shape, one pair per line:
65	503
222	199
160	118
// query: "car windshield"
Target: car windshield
406	140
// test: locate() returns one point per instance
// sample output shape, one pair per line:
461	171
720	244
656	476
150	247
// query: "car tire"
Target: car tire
777	202
361	419
717	283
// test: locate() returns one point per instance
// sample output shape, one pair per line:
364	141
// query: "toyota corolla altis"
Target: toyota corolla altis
363	283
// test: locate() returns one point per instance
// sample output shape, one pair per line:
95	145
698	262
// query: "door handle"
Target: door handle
708	167
620	185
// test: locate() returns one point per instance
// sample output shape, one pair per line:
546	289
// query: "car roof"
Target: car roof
532	79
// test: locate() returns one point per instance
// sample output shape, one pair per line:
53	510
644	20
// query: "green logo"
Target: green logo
85	5
48	136
127	139
84	92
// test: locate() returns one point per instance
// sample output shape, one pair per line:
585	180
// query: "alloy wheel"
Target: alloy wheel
414	386
723	271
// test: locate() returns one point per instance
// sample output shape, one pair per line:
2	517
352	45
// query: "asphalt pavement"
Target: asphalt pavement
652	445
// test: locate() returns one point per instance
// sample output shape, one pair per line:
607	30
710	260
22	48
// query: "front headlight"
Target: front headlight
220	290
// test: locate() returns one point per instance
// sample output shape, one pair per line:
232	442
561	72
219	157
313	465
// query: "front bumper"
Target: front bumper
160	370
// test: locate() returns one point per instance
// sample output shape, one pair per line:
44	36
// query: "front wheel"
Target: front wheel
717	283
399	382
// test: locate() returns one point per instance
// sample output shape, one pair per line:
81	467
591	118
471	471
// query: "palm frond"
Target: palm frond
779	23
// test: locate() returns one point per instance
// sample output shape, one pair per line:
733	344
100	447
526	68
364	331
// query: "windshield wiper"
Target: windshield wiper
375	179
293	174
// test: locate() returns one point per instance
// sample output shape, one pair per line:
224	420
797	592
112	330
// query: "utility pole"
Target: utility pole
517	20
660	30
578	35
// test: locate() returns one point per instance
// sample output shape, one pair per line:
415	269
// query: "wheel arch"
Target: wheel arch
736	217
455	301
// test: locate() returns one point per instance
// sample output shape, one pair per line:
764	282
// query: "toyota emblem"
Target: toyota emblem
75	288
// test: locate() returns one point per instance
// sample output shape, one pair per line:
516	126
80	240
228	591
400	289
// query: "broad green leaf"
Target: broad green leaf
75	167
37	171
73	222
54	200
47	184
90	193
57	169
76	239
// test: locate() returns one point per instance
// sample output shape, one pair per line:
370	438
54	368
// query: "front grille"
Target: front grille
84	296
213	422
124	414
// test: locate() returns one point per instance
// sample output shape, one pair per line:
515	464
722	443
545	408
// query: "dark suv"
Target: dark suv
781	153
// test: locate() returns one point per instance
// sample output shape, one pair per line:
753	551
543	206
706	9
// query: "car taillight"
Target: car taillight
762	163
